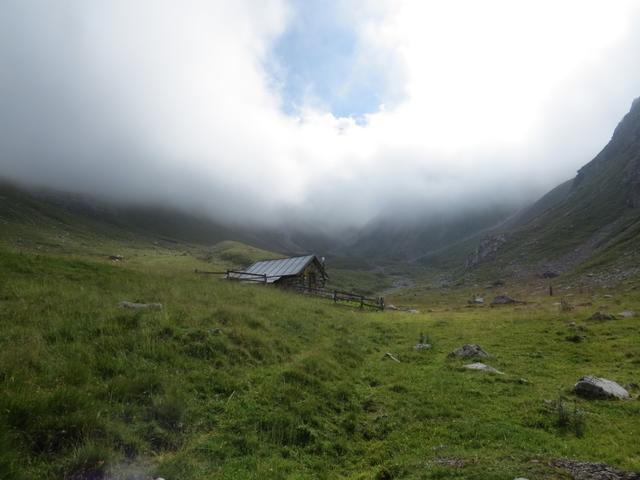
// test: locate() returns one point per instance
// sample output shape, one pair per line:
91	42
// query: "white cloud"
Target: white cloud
165	100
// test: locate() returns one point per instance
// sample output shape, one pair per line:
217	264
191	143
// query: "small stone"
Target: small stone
422	346
116	258
628	314
450	462
594	387
391	356
483	368
140	306
576	338
607	296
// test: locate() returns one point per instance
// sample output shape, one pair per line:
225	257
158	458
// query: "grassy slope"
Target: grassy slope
237	381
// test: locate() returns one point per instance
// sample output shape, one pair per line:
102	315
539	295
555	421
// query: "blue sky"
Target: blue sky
315	61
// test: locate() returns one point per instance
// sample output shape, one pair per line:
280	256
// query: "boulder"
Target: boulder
140	306
469	351
594	387
503	300
549	274
483	368
602	316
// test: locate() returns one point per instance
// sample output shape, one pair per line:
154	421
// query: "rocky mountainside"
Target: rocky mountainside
588	222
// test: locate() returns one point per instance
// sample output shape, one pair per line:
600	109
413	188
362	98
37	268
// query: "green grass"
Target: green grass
240	254
242	381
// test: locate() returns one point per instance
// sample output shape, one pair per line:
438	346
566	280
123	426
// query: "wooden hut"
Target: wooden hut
305	272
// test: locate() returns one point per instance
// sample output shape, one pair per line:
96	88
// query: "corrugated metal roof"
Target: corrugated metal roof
275	269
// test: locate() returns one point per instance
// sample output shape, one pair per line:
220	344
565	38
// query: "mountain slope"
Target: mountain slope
581	221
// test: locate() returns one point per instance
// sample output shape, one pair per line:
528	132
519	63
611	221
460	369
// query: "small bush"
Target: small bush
88	462
568	418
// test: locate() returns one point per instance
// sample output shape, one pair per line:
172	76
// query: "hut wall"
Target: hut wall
310	277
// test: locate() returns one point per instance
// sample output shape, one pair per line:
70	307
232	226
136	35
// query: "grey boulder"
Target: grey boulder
503	300
594	387
469	351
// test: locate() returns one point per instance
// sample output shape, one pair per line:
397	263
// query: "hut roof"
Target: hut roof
283	267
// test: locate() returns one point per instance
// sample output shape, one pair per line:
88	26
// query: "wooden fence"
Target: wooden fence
335	295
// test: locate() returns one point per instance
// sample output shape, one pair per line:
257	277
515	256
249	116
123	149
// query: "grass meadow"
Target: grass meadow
233	381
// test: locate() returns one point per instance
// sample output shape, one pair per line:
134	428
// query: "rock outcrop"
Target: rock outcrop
486	250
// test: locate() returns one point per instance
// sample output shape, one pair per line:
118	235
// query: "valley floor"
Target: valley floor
236	381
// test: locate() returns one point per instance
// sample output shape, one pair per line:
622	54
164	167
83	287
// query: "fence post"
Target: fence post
335	296
227	275
381	303
265	278
361	301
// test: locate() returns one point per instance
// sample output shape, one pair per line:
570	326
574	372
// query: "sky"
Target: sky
334	111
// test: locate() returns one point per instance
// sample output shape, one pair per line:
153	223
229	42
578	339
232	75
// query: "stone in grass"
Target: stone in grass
140	306
504	300
469	351
628	314
594	387
422	346
476	300
483	368
602	316
575	338
593	471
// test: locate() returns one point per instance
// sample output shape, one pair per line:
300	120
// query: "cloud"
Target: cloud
165	101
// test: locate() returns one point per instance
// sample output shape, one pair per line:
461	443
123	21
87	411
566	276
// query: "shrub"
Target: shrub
571	419
88	462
